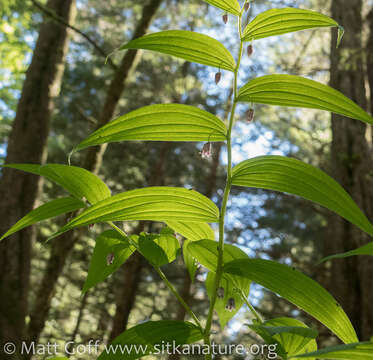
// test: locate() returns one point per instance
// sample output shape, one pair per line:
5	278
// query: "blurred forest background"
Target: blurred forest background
55	89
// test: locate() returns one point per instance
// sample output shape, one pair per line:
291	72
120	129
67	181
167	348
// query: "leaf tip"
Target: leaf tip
341	32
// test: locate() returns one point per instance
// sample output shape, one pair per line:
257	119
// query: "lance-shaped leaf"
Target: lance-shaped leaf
281	21
168	122
363	250
297	91
192	232
109	245
358	351
77	181
152	203
149	337
292	176
231	6
291	336
187	45
46	211
299	289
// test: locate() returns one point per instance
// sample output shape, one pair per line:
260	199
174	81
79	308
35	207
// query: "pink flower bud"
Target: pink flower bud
250	115
231	305
250	50
206	151
247	6
109	259
225	18
220	293
217	78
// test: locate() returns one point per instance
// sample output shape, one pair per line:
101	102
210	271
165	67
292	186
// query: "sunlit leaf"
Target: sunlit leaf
168	122
152	203
231	6
281	21
193	231
149	337
49	210
291	336
109	243
363	250
358	351
299	289
292	176
188	45
297	91
77	181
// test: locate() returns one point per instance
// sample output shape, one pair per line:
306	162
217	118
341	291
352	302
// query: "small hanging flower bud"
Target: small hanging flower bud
90	226
231	305
217	78
206	151
225	18
250	50
247	6
220	293
250	115
109	259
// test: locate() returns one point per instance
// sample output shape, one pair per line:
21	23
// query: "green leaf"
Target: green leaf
230	291
187	45
109	243
206	253
363	250
299	289
286	20
192	231
291	90
47	211
152	203
149	337
77	181
168	122
358	351
295	177
291	335
158	249
190	262
231	6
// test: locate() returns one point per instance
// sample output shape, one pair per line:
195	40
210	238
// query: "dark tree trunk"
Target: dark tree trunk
62	247
351	279
27	144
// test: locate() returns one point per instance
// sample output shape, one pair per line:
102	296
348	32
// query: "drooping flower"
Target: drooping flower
220	293
250	115
217	78
247	6
225	18
109	259
206	151
250	50
231	305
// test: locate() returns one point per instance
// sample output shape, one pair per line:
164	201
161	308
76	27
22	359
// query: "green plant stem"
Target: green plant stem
163	277
252	309
177	295
219	269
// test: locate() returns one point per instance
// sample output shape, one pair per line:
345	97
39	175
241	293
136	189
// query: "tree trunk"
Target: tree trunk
351	279
27	143
62	247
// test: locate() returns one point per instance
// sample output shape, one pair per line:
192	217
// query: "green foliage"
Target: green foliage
152	334
187	45
363	250
152	203
77	181
231	6
283	21
358	351
295	177
296	91
170	122
109	244
291	336
299	289
47	211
